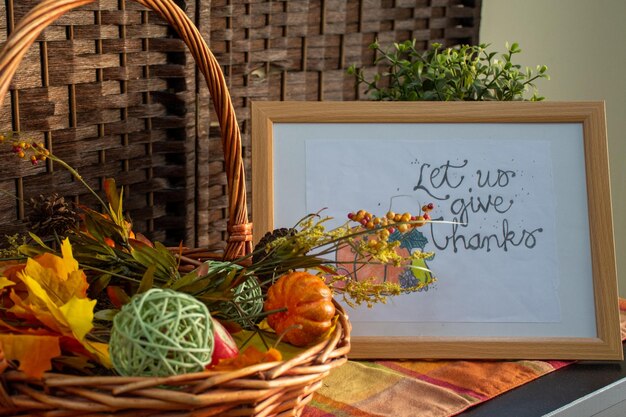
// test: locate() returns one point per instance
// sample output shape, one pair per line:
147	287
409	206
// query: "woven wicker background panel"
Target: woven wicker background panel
109	90
300	50
113	92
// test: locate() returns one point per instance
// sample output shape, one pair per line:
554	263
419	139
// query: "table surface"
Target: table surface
552	391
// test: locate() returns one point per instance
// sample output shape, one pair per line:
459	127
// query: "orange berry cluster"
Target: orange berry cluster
392	221
40	153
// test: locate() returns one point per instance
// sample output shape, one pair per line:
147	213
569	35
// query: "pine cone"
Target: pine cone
260	255
50	215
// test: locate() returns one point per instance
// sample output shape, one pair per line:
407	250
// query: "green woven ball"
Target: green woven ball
161	333
249	298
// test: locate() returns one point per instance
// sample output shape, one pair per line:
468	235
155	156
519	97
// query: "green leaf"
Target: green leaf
30	251
105	315
38	240
407	73
147	280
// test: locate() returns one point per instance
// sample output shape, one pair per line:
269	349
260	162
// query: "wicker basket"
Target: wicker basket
278	388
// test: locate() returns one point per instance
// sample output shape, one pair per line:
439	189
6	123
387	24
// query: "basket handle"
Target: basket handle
27	31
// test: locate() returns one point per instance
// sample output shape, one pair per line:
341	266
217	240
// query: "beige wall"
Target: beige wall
583	43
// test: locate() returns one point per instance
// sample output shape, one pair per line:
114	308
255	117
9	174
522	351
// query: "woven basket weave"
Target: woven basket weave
112	90
279	388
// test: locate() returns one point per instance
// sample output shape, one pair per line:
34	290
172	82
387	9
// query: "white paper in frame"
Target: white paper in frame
528	269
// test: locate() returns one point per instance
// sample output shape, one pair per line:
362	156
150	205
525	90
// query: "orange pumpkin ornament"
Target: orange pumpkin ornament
309	304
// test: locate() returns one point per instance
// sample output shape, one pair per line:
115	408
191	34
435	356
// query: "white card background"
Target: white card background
544	290
499	265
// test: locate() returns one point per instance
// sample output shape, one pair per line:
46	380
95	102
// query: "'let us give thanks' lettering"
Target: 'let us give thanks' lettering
466	192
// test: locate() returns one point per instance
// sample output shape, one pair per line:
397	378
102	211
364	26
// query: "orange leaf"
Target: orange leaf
110	189
11	271
33	352
31	313
231	327
117	296
250	356
138	237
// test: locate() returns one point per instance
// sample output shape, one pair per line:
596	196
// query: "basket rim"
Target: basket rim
253	384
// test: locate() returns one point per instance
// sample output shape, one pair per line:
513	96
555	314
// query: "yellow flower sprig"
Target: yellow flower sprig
369	292
36	152
310	246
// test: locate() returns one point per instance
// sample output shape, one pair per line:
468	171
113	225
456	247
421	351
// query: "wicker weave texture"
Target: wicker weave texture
300	50
110	91
270	389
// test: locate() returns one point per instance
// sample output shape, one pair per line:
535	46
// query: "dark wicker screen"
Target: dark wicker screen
112	91
300	50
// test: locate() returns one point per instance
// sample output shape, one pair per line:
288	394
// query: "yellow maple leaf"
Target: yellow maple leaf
57	294
59	276
78	314
56	297
40	305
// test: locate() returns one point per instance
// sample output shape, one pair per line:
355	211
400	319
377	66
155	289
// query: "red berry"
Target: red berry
391	229
431	206
363	222
350	216
426	216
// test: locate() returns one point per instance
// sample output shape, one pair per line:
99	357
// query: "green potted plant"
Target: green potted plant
467	72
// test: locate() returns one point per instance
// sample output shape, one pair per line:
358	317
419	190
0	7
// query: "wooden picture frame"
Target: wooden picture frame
578	175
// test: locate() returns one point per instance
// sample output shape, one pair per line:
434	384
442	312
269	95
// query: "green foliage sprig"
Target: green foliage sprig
468	73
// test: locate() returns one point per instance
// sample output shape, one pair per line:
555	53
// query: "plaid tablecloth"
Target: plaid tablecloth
435	388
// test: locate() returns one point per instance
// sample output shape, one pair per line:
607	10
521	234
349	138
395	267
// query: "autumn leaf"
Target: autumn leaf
100	351
88	348
31	314
34	353
113	197
140	239
5	282
8	278
54	300
10	270
78	314
74	317
57	276
250	356
117	296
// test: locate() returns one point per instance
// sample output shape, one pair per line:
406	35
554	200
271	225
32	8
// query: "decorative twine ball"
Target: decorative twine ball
161	333
248	297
